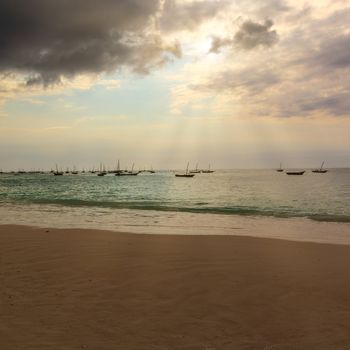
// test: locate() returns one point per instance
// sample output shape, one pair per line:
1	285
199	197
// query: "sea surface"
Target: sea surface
224	202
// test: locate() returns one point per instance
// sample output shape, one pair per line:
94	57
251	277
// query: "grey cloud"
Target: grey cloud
307	75
217	43
337	104
298	16
189	15
273	7
48	39
322	45
316	83
249	36
247	81
334	53
252	34
291	103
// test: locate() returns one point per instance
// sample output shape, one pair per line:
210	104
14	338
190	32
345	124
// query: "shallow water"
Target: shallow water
322	197
261	203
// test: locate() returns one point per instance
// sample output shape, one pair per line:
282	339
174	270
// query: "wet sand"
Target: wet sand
88	289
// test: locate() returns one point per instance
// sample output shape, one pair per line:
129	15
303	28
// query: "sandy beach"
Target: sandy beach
89	289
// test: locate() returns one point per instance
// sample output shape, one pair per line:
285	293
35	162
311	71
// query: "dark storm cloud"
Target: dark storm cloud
189	16
50	39
249	36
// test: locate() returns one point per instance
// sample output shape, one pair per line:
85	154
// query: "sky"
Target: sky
237	84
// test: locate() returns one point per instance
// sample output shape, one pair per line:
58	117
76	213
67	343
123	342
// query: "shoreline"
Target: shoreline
48	229
177	223
92	289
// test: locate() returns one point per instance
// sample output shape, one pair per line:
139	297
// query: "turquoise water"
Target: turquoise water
321	197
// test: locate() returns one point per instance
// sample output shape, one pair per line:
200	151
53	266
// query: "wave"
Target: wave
199	208
330	218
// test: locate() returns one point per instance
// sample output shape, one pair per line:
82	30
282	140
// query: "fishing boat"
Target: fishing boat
57	173
196	170
320	170
74	171
132	172
126	173
208	171
295	172
118	172
102	171
186	174
280	168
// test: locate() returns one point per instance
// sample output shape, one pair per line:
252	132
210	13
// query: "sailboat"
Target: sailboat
74	171
196	170
320	170
126	173
187	174
132	172
208	171
102	171
280	168
58	173
118	172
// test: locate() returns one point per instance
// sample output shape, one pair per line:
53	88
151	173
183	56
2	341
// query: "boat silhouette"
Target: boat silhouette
295	172
320	170
280	168
186	174
208	171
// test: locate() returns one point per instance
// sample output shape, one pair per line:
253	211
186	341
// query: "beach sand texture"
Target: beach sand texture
86	289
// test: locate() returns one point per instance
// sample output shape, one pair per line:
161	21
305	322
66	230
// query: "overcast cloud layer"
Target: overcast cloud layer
286	62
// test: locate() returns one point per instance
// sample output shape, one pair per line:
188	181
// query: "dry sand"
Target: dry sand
84	289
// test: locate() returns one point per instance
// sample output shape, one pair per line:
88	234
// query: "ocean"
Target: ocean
224	202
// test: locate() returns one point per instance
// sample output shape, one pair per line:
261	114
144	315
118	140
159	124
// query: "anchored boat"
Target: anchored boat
186	174
295	172
320	170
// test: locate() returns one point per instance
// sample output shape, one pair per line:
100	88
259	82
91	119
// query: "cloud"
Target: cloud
217	43
268	8
249	36
110	84
189	15
305	75
252	34
12	86
46	40
333	53
244	81
337	104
